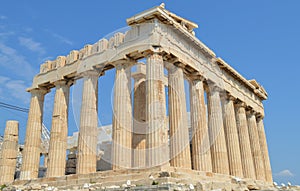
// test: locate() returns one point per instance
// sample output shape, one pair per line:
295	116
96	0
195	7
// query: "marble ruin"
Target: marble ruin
227	137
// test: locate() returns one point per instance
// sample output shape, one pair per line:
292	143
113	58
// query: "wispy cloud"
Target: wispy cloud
10	59
32	45
14	90
285	173
2	17
60	38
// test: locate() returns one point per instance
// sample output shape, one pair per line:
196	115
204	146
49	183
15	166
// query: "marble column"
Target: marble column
122	118
201	156
32	147
139	119
46	159
9	152
246	156
264	149
59	131
231	135
255	146
156	135
179	132
88	132
216	131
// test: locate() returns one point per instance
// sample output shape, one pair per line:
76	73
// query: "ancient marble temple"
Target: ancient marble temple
226	110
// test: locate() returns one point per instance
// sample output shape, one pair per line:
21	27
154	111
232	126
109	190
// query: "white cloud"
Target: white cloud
62	38
2	17
31	45
14	90
285	173
10	59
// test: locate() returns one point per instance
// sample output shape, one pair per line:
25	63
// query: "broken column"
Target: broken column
8	153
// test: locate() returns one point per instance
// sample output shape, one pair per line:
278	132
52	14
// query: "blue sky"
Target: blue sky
260	39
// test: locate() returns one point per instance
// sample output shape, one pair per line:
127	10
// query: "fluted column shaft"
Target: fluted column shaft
255	146
122	120
179	131
87	140
246	156
264	149
59	131
156	137
139	125
231	135
32	147
201	156
216	132
8	153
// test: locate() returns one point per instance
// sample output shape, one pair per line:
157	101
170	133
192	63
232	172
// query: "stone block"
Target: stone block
72	57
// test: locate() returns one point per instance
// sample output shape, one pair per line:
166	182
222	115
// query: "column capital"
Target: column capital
39	91
124	63
259	116
239	103
90	73
63	82
228	96
213	87
197	76
250	112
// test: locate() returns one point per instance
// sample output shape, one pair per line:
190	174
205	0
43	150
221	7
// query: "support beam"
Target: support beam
264	149
231	135
59	131
9	152
255	146
201	156
122	119
87	139
246	156
179	131
216	131
32	147
139	120
157	134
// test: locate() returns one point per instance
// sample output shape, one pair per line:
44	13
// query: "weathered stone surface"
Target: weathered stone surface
216	132
139	118
8	152
87	141
179	133
201	156
156	137
59	131
231	135
31	153
246	156
122	118
255	147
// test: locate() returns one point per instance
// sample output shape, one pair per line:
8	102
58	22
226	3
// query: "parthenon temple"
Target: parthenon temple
222	137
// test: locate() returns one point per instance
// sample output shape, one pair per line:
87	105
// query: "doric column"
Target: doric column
32	147
8	153
246	156
179	131
216	131
139	119
201	156
264	149
156	136
122	119
59	131
231	135
255	147
87	139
